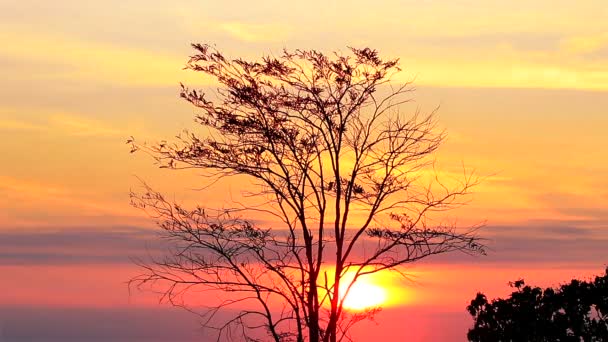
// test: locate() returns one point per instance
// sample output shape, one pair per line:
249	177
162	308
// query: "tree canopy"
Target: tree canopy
577	311
335	160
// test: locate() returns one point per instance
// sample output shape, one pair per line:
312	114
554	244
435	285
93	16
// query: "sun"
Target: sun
364	295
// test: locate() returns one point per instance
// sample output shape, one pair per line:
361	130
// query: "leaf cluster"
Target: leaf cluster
577	311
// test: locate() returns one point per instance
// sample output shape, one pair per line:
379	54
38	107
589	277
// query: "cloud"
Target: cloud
583	44
17	125
555	243
13	185
505	67
62	123
42	204
490	45
69	246
533	243
52	324
582	206
79	126
90	60
254	33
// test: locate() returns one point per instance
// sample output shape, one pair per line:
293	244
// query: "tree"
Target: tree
573	312
322	147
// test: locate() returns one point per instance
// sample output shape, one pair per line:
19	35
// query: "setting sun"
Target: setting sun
364	295
382	289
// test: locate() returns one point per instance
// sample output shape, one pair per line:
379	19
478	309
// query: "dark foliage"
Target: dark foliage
573	312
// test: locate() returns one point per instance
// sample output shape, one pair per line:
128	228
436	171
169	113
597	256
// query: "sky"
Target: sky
523	93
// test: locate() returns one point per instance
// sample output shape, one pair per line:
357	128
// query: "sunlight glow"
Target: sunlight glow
382	289
364	295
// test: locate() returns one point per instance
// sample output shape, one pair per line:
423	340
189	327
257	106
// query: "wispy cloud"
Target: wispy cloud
505	66
78	246
271	32
79	126
26	188
61	123
92	61
18	125
585	43
39	203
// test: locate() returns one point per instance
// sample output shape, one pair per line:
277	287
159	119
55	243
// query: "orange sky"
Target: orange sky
522	89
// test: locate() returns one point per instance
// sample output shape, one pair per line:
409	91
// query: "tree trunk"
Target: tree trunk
313	313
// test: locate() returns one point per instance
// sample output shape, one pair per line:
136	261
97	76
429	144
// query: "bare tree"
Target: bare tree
337	163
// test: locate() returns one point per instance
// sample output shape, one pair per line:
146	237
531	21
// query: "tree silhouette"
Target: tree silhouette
573	312
322	147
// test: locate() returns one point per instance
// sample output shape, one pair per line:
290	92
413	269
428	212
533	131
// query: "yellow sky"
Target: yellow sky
522	88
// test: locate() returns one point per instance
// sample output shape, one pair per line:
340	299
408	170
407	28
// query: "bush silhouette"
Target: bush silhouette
576	311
